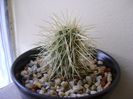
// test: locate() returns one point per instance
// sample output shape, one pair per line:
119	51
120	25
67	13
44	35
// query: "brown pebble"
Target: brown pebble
103	81
107	85
108	70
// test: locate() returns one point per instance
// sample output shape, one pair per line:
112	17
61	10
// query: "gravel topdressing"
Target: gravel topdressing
37	80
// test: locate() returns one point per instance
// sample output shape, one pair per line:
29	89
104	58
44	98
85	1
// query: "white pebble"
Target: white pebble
98	78
99	62
99	88
41	92
77	88
29	70
97	83
93	92
73	95
24	72
64	84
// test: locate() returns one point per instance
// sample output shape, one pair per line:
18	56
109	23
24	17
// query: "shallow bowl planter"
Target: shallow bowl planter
25	58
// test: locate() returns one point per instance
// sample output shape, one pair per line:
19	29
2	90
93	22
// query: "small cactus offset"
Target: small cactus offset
68	54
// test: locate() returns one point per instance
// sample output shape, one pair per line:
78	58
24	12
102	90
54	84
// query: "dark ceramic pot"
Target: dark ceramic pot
25	58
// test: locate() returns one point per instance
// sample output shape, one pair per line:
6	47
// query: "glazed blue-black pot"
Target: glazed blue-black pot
25	58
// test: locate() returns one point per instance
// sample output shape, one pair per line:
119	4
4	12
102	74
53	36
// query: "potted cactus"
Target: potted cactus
67	66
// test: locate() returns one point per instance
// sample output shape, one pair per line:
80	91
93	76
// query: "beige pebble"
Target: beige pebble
28	85
93	66
57	81
88	79
77	88
52	93
93	87
109	77
86	86
67	93
64	84
39	85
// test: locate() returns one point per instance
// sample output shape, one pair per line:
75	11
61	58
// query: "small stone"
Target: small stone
107	70
100	62
52	92
79	95
61	89
62	94
79	82
87	90
84	81
67	93
109	77
57	81
97	83
26	76
39	85
88	79
24	72
39	75
45	77
44	90
93	66
103	81
34	75
86	86
98	78
64	84
77	88
101	69
73	95
29	70
107	85
99	88
31	81
93	92
71	83
42	80
53	88
80	92
34	68
31	63
93	87
105	74
28	85
41	92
